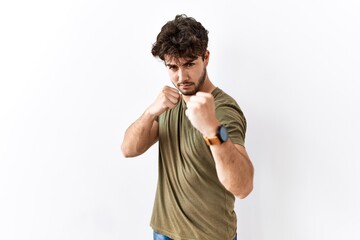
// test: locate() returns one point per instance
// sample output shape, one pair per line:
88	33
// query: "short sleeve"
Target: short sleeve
231	116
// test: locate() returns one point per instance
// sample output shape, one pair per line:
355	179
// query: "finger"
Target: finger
193	105
169	104
188	114
198	99
203	94
172	99
206	96
171	94
171	90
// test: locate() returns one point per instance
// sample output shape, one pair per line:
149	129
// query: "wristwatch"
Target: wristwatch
221	136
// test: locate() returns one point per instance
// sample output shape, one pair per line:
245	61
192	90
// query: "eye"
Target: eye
190	64
172	67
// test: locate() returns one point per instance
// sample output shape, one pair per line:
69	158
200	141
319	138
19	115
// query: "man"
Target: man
203	164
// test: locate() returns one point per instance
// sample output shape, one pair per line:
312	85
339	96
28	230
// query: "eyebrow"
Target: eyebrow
170	65
174	65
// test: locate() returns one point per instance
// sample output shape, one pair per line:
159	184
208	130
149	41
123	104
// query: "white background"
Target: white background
74	74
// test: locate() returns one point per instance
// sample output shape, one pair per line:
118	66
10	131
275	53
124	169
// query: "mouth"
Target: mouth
185	84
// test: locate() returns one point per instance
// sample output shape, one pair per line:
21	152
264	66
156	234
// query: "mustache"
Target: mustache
184	82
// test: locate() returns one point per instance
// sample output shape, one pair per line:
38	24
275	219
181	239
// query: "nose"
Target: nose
182	75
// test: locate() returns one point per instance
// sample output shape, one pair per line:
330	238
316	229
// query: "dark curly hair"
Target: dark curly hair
183	37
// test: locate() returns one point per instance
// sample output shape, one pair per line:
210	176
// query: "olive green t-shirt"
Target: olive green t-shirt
190	201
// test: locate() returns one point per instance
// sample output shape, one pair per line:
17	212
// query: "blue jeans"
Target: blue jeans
158	236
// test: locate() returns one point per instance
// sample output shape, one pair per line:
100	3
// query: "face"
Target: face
187	75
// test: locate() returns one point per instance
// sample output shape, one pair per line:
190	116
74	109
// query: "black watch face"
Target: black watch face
223	134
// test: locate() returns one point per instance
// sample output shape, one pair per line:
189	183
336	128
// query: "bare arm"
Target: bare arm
140	136
143	133
233	166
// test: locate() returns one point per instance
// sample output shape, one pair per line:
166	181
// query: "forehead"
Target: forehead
178	61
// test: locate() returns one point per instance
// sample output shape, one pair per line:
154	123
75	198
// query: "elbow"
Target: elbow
244	192
125	152
240	190
129	152
246	187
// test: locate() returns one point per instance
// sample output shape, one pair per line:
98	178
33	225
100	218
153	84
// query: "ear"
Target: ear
207	57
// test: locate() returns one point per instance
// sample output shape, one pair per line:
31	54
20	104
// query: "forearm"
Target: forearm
139	136
234	168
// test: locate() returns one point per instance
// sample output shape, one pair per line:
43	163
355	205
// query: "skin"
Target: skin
191	82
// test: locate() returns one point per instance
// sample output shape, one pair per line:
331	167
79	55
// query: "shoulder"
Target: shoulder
225	101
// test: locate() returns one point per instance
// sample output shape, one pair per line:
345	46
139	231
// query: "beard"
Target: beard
198	85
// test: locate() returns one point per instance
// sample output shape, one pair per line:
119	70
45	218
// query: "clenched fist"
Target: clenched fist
201	113
167	99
